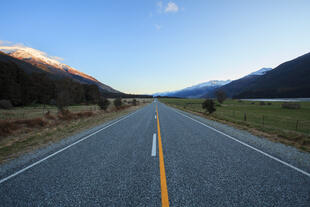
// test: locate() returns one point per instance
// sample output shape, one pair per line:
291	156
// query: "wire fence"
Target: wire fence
267	121
257	119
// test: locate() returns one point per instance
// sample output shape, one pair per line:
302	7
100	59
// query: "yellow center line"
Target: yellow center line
163	182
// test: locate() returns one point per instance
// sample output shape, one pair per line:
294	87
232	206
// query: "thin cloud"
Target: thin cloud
171	7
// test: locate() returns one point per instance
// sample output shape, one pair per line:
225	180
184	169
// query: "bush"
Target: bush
6	127
36	122
5	104
208	105
66	115
103	103
269	103
221	96
84	114
31	123
49	116
289	105
117	103
262	103
134	102
63	100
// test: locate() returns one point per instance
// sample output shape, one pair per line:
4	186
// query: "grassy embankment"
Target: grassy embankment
289	126
28	128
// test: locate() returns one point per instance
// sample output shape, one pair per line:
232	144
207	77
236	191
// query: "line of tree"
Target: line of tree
23	89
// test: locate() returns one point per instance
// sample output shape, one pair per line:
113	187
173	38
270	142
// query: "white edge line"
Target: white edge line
154	146
155	116
257	150
63	149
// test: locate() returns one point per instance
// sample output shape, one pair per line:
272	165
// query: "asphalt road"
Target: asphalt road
191	165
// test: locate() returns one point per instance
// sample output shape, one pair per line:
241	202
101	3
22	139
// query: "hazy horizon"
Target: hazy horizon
145	47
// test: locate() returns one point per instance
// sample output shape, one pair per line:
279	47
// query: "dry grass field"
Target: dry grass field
28	128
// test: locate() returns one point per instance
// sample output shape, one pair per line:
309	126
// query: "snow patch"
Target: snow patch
262	71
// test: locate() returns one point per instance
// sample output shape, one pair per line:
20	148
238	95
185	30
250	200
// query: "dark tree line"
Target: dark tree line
24	89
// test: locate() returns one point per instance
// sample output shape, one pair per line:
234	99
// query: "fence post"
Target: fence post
244	116
296	125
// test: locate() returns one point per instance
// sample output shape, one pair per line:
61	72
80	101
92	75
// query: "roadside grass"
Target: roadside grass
36	111
26	138
289	126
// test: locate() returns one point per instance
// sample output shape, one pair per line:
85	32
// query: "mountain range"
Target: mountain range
288	80
240	85
46	64
195	91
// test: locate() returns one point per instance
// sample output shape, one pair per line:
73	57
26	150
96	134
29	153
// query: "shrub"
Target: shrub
84	114
117	103
5	104
65	115
288	105
134	102
269	103
103	103
262	103
6	127
208	105
221	96
253	103
49	116
36	122
63	100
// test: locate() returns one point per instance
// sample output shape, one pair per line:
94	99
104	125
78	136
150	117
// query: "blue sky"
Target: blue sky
146	46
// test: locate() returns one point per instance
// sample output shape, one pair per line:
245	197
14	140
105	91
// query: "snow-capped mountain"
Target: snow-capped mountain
262	71
210	83
52	65
195	91
288	80
242	84
208	89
